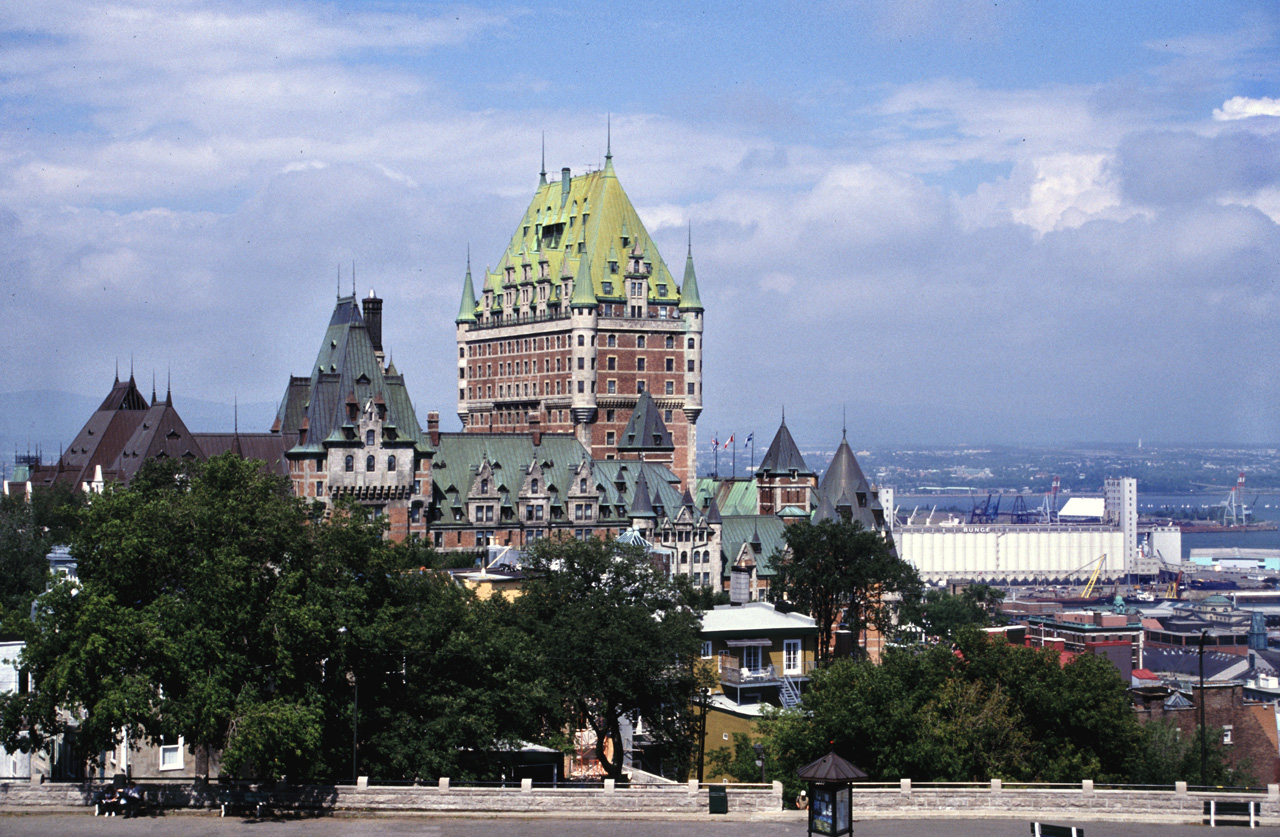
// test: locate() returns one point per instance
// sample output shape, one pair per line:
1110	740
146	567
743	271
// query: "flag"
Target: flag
750	438
715	441
729	443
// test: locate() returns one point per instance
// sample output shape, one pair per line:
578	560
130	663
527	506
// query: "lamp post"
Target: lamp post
1203	732
355	712
759	748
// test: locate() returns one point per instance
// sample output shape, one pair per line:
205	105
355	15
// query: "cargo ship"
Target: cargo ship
1230	516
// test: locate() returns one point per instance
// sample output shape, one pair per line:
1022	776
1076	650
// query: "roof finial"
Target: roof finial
339	280
168	386
691	238
844	421
608	137
130	366
235	421
153	387
784	414
469	243
117	369
542	175
353	279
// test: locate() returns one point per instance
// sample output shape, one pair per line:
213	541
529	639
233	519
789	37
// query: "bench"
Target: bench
1232	813
231	801
1039	829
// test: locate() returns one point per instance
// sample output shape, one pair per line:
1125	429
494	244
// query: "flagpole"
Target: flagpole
735	457
715	443
753	452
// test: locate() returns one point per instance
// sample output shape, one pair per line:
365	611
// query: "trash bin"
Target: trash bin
719	800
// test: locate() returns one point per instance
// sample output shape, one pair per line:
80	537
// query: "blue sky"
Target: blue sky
1013	222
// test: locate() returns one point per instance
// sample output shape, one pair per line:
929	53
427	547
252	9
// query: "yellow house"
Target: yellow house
759	655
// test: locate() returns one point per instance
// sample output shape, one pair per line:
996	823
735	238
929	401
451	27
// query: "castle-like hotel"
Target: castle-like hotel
580	382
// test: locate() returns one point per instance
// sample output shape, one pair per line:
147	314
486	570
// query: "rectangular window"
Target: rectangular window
751	658
706	649
690	387
791	656
670	389
611	363
611	386
608	439
170	754
671	364
639	387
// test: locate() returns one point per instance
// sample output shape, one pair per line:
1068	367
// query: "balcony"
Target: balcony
732	673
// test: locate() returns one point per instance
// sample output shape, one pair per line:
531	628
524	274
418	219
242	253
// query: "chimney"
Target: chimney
535	428
373	321
433	428
564	185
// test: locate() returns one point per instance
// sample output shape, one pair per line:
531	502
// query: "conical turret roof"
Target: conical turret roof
467	310
689	298
783	456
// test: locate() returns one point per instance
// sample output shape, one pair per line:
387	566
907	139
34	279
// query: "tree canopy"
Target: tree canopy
615	639
988	710
212	605
836	567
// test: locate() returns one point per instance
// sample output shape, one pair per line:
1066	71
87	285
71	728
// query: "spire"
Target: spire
130	367
542	176
689	298
584	292
467	309
117	370
844	422
235	421
641	505
339	281
608	145
153	388
168	388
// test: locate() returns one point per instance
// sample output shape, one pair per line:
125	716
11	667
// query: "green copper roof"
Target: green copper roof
584	295
586	223
467	310
689	299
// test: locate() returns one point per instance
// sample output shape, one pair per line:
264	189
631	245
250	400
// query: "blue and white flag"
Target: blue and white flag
750	438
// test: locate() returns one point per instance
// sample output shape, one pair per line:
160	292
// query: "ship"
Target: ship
1231	516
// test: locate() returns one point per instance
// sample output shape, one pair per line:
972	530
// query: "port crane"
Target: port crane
986	513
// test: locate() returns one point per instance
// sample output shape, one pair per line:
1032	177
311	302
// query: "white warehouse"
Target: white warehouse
1043	552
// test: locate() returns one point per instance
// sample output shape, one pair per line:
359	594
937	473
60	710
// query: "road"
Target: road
199	825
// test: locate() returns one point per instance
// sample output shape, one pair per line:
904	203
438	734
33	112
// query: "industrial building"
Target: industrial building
1043	552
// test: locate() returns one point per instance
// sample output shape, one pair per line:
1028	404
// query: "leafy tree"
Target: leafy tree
940	614
1165	756
202	611
990	710
738	763
23	546
838	566
614	639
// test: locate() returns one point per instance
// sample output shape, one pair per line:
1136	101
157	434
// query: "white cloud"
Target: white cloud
1242	107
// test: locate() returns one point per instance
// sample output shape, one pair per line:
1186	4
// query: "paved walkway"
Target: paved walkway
199	824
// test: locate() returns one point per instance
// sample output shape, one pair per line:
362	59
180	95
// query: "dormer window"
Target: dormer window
369	438
484	486
533	486
582	486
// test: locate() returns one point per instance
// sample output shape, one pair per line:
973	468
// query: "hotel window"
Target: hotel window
639	364
391	464
611	363
611	341
690	342
368	438
611	387
640	342
608	440
369	463
671	388
350	464
671	364
639	387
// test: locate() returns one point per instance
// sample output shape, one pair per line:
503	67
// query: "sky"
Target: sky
941	221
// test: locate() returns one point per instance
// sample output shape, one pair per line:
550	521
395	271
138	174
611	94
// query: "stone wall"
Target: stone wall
688	798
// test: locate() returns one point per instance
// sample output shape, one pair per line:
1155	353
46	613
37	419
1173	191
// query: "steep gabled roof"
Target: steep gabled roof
347	370
577	227
646	429
846	487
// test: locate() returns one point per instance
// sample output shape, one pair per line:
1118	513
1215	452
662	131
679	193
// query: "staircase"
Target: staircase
789	693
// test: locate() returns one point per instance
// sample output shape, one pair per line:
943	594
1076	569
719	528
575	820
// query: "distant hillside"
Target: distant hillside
46	420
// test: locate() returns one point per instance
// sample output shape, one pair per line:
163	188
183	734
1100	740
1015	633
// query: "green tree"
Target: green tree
24	572
940	614
614	639
202	611
836	567
1164	756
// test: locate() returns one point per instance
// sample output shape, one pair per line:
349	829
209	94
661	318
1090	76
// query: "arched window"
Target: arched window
533	486
368	438
684	556
671	342
391	464
369	463
351	463
690	342
484	486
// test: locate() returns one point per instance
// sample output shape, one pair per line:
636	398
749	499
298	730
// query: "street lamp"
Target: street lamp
1204	734
355	711
759	748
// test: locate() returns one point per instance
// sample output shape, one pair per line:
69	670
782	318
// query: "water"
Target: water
1267	507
